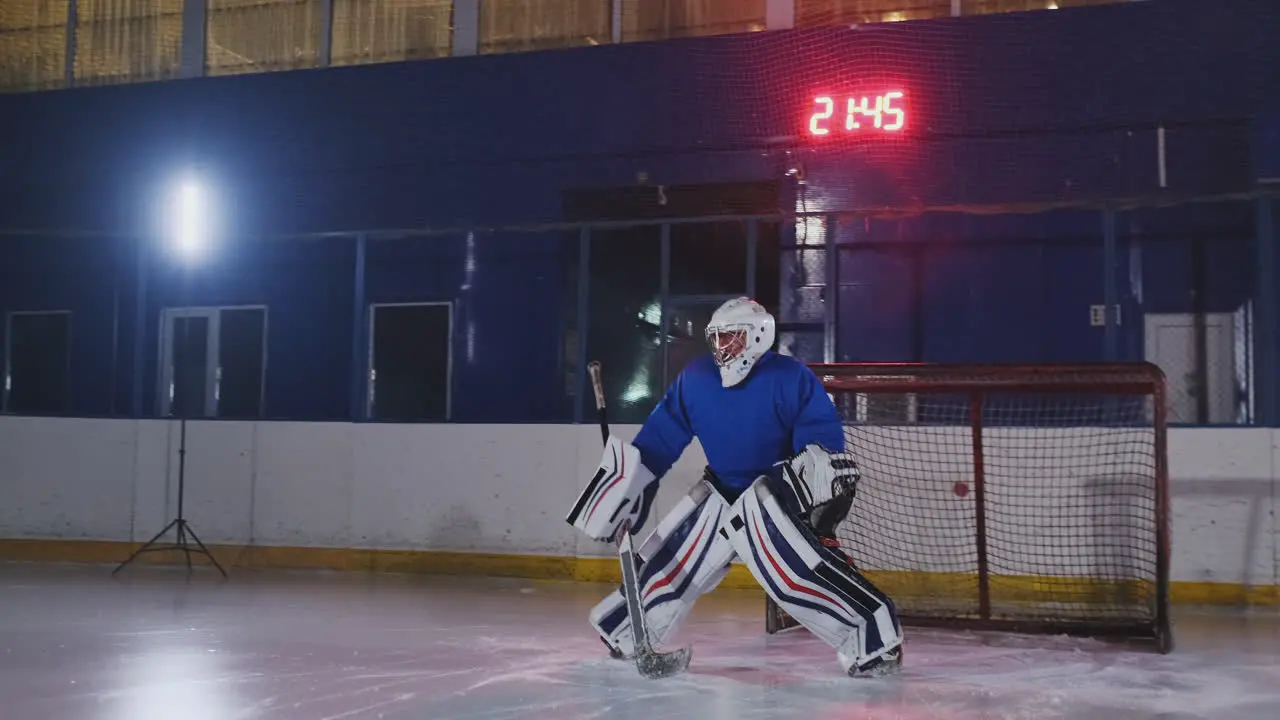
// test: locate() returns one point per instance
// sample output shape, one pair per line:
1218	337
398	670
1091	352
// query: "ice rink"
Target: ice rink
151	644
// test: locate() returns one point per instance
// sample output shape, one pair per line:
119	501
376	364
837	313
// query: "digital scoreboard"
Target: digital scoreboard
867	114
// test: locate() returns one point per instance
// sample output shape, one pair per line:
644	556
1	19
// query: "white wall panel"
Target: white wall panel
496	488
65	478
489	488
1222	486
305	484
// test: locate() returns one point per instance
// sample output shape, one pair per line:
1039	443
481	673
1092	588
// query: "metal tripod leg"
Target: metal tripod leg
180	543
203	549
146	547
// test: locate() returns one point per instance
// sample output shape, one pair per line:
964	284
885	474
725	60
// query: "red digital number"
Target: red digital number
884	112
893	108
817	122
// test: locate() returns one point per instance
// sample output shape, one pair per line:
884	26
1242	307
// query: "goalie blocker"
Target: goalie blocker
691	550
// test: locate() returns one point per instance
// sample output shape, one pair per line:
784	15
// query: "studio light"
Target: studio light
189	220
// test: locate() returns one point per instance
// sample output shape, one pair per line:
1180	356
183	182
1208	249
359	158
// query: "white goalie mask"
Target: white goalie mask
740	331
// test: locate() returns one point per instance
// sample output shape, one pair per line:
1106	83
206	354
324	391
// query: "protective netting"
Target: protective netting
1038	504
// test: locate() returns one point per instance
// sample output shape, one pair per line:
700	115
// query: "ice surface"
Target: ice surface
151	644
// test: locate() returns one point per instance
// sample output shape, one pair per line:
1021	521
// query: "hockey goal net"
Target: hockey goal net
1022	498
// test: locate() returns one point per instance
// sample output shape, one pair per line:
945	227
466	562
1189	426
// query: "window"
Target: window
624	314
707	263
511	25
127	40
213	362
372	31
242	350
261	35
37	362
986	7
711	262
662	19
818	13
410	361
33	44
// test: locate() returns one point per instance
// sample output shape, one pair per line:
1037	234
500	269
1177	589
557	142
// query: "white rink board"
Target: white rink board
502	488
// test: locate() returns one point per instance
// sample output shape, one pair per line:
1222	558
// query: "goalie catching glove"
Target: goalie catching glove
820	486
621	490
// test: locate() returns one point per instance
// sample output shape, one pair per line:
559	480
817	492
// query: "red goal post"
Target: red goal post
1027	498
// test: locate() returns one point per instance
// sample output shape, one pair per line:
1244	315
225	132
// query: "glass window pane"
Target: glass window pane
768	262
39	351
33	44
411	362
189	343
662	19
709	258
624	283
372	31
512	25
127	40
817	13
686	341
261	35
241	340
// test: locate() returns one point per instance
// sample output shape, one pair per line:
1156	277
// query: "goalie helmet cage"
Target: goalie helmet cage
1023	498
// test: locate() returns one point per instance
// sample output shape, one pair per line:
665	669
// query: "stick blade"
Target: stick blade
654	665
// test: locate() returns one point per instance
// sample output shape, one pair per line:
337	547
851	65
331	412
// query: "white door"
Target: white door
1170	343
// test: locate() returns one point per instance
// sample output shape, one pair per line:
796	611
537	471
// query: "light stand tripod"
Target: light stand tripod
183	527
188	224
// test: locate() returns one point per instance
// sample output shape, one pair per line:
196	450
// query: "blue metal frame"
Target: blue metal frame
615	21
139	324
1110	294
584	320
359	333
324	53
1265	346
193	53
664	297
73	20
831	294
466	27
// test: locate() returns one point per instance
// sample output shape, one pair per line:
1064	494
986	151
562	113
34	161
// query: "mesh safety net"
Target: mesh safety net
1017	495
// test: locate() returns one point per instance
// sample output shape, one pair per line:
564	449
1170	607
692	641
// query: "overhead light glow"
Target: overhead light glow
189	226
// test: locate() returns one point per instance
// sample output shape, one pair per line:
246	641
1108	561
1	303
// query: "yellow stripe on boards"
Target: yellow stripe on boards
947	588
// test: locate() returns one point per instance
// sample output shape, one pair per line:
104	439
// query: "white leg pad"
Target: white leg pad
685	557
814	585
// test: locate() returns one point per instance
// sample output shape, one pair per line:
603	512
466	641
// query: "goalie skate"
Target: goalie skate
888	664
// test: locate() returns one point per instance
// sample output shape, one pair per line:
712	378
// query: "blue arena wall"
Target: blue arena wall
1022	110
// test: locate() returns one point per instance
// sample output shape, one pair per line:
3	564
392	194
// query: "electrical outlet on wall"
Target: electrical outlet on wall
1097	316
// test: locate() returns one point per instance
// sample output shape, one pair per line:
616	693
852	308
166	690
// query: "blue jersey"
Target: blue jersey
780	408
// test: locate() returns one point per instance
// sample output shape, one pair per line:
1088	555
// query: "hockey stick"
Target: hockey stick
597	386
650	662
